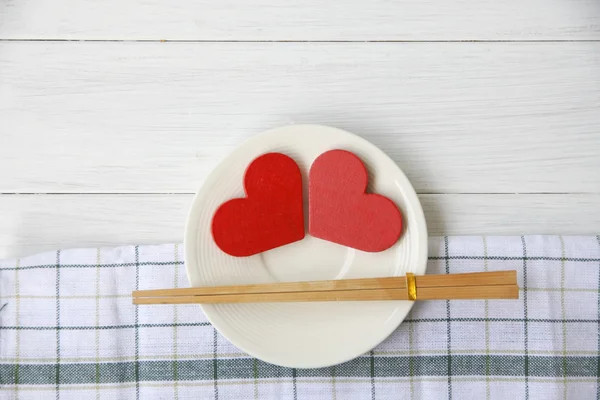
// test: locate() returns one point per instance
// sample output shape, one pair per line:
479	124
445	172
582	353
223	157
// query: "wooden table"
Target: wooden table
112	113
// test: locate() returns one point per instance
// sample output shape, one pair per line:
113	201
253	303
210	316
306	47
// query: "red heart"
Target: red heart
272	213
341	212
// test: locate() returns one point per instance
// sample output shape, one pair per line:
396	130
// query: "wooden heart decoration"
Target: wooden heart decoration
270	216
341	212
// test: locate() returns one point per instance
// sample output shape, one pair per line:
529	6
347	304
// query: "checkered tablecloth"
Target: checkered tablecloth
68	330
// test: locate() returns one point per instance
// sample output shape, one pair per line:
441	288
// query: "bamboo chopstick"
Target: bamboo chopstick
428	293
395	282
478	285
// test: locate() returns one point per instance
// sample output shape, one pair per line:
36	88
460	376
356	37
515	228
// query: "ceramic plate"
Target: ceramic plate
304	335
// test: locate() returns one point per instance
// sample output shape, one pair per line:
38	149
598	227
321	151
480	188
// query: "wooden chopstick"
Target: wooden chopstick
427	293
396	282
479	285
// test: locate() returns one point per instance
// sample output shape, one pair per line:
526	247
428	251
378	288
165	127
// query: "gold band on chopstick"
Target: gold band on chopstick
411	286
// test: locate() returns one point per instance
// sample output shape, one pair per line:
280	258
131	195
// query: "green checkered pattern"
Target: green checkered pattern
68	330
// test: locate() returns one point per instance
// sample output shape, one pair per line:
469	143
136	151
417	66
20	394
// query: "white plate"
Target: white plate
304	335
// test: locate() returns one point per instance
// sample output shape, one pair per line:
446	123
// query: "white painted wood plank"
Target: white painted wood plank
512	214
156	117
301	19
34	223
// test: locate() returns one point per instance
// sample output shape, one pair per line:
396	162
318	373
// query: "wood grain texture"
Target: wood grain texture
300	20
34	223
130	117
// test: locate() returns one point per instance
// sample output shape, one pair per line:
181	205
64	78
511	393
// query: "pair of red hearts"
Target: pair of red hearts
339	209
